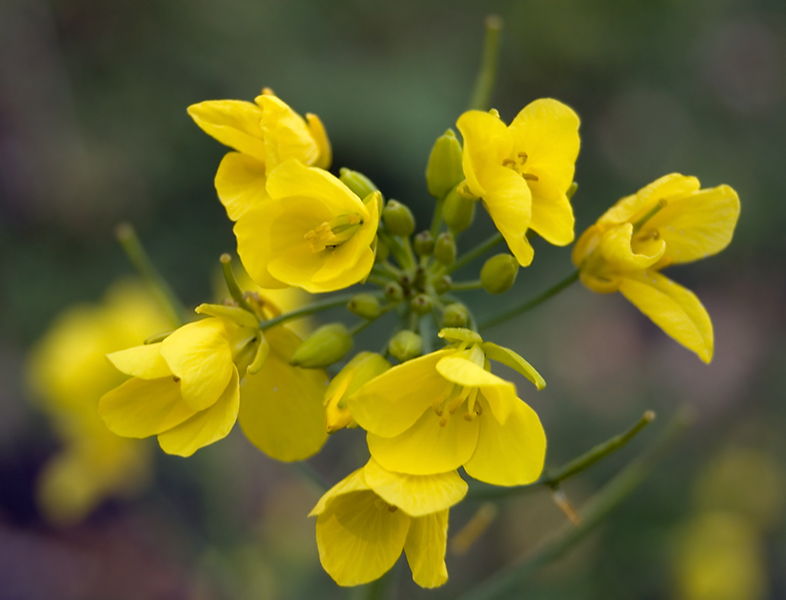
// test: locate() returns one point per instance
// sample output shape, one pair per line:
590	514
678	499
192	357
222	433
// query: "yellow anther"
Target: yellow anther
468	416
508	162
529	176
523	156
443	421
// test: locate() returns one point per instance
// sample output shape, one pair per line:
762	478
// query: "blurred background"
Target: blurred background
94	131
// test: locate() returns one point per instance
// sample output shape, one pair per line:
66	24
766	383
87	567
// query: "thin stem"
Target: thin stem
232	284
522	308
466	285
136	254
436	220
383	281
475	252
309	475
310	309
508	580
487	75
366	322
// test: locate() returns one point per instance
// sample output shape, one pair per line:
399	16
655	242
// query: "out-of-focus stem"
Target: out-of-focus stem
484	84
475	252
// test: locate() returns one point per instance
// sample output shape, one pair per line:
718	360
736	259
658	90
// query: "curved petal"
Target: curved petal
294	180
234	123
487	142
205	427
637	205
427	448
552	213
390	404
281	409
143	407
512	454
240	183
287	136
144	362
359	539
697	225
199	354
673	308
509	202
616	247
323	143
462	371
425	547
354	482
416	495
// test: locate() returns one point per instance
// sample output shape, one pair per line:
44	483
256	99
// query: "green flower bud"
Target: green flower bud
394	292
365	306
455	315
445	249
572	190
381	251
424	243
328	344
443	284
421	304
444	168
499	273
398	219
357	182
406	345
458	211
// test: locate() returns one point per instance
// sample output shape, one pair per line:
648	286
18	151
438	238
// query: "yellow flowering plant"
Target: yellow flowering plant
428	401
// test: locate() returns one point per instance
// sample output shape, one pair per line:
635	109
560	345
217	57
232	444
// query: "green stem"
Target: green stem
507	582
466	285
136	254
366	322
436	220
522	308
383	281
232	284
487	75
310	309
309	475
475	252
402	254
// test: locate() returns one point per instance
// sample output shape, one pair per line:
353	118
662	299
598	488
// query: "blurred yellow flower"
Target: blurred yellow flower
361	369
265	134
523	171
68	372
187	389
368	518
670	221
313	232
436	413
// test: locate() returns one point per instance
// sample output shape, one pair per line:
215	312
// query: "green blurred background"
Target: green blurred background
94	131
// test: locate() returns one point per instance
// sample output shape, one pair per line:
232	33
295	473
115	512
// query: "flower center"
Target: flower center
518	162
334	232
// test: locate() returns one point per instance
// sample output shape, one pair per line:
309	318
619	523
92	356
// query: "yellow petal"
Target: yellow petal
145	362
354	482
281	409
552	214
512	454
416	495
205	427
199	354
632	207
240	183
676	310
359	539
427	448
234	123
696	225
425	547
293	180
615	245
323	143
140	408
509	202
391	403
486	142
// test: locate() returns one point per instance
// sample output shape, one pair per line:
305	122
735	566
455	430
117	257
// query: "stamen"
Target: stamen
472	398
508	162
530	177
523	156
468	416
392	508
650	213
443	421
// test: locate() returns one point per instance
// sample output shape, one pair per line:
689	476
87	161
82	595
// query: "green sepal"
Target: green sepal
507	357
235	314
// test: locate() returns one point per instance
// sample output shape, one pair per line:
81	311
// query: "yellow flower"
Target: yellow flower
436	413
670	221
187	389
523	171
358	371
313	232
265	133
368	518
68	372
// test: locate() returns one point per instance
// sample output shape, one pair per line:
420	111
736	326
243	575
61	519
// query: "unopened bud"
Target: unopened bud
455	315
393	292
365	306
499	273
398	219
444	168
443	284
361	185
361	369
458	211
405	345
445	249
421	304
424	243
328	344
572	190
381	251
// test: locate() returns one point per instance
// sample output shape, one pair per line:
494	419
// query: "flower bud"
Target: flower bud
398	218
405	345
421	304
365	306
444	168
393	292
499	273
458	211
455	315
328	344
361	369
443	284
424	243
445	249
572	190
381	251
361	185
